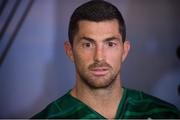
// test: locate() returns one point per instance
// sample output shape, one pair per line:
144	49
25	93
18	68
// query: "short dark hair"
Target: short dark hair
95	10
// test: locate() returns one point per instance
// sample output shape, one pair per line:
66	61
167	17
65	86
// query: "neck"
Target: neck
104	100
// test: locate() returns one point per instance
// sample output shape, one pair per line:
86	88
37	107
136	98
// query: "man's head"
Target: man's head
97	44
95	10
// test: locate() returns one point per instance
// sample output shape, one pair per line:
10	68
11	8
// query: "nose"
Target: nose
99	54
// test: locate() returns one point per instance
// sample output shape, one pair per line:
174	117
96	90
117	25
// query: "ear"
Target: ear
68	50
126	47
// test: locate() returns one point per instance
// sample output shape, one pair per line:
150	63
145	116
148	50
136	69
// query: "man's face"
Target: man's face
98	52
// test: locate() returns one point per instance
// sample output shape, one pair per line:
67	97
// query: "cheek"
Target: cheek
114	59
82	60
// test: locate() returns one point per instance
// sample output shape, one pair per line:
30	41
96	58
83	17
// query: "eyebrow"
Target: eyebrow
112	38
105	40
88	39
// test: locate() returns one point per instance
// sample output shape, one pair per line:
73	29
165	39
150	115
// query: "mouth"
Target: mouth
100	71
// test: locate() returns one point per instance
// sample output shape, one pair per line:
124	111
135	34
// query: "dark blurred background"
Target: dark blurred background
34	69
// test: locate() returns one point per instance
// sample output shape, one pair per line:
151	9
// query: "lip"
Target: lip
101	71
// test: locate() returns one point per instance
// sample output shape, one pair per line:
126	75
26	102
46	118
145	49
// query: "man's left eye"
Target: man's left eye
111	44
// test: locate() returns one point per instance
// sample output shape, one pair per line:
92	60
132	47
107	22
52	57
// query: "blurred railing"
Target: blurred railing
12	16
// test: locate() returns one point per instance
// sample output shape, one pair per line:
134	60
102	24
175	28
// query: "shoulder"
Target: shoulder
151	106
54	108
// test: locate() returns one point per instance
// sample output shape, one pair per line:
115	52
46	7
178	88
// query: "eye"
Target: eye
87	45
111	44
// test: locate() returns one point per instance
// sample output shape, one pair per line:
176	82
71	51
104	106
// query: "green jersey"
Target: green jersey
134	104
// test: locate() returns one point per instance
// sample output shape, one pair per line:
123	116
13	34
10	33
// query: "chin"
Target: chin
99	84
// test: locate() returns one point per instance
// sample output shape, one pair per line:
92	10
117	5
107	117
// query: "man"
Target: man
98	47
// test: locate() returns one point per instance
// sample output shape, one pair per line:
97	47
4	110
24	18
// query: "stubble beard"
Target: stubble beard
98	82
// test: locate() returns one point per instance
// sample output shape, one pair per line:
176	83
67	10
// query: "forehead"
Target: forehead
98	29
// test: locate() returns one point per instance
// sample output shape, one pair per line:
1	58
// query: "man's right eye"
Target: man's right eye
87	45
